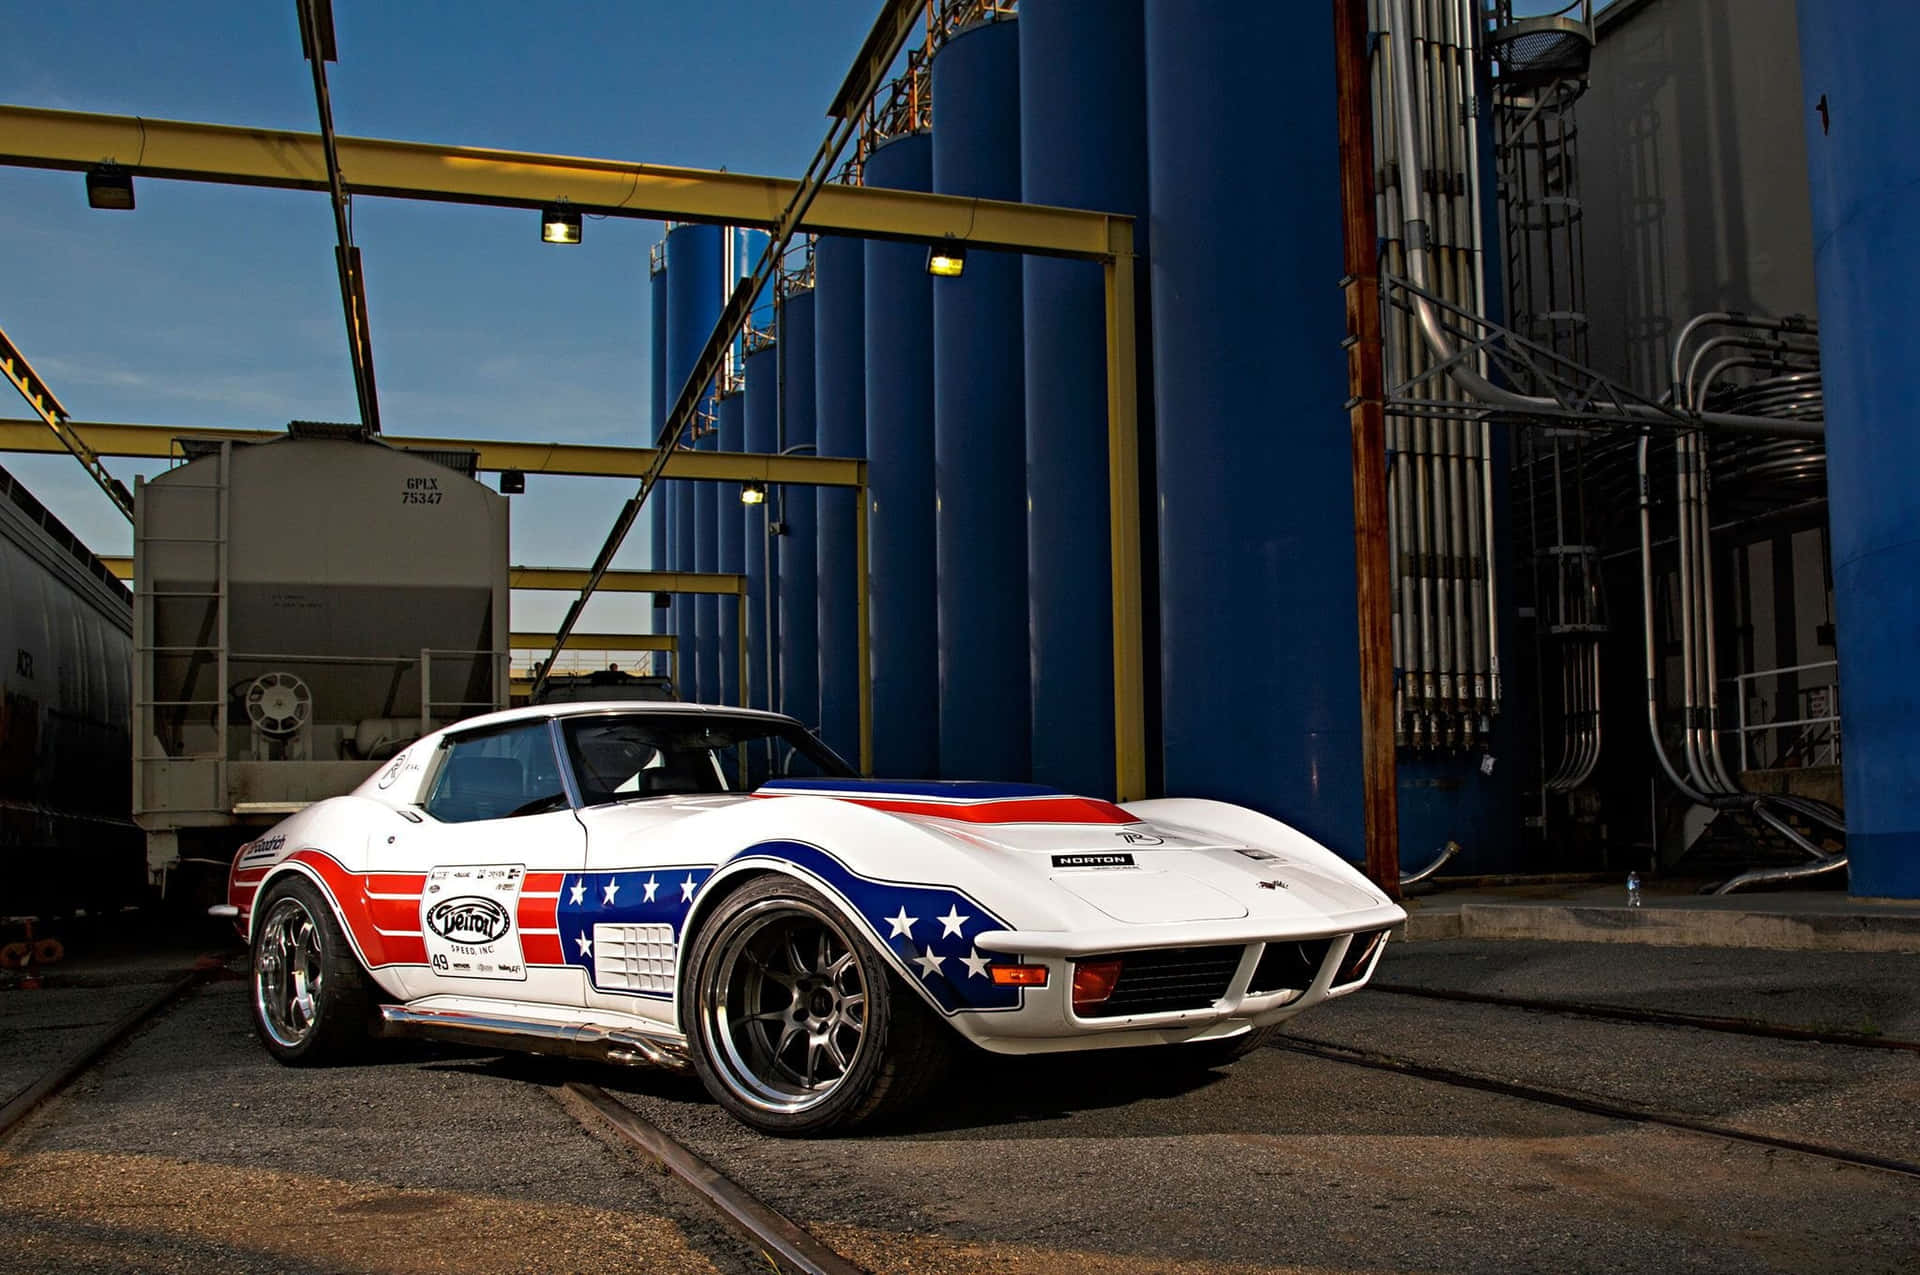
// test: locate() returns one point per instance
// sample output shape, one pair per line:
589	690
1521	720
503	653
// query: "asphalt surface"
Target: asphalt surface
190	1150
1872	994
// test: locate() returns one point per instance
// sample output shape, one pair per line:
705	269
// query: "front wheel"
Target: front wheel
311	1002
798	1027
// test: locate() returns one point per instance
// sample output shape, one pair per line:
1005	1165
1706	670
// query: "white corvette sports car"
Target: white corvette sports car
609	881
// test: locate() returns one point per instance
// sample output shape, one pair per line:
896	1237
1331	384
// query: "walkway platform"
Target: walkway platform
1672	914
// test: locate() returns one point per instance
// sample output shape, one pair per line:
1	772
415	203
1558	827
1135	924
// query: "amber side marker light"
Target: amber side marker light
1093	982
1018	975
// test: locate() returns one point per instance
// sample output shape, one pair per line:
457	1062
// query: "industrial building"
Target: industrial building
1475	433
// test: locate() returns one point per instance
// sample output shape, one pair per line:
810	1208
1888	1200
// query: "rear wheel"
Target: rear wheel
311	1002
798	1025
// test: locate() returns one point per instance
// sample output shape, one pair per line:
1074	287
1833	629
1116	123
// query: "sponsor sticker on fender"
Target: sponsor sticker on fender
466	920
1113	859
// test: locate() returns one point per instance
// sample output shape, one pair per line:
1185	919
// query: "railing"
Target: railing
1816	720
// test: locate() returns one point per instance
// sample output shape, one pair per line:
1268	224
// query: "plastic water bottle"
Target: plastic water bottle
1633	889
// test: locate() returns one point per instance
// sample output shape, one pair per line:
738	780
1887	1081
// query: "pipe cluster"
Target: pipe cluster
1709	346
1440	476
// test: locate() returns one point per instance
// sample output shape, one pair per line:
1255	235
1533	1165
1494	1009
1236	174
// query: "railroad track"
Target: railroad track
777	1236
64	1073
1655	1017
1330	1051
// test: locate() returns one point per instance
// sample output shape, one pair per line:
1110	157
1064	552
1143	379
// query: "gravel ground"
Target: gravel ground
1825	991
190	1150
1864	1100
1291	1163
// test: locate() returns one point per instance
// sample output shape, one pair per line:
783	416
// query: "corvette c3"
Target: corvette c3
704	887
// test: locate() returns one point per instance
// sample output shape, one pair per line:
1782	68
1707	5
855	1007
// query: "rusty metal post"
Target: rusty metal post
1366	412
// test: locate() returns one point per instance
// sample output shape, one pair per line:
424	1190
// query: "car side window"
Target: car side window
498	775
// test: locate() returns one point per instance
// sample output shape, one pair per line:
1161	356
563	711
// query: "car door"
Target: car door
487	849
622	918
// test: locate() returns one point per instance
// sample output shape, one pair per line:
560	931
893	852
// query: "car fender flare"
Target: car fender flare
767	857
292	866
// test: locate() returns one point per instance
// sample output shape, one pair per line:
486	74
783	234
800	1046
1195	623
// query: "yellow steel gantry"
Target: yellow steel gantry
75	141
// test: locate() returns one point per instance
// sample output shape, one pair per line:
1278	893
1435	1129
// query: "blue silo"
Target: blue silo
657	371
1083	144
763	436
797	547
1863	109
840	392
693	307
900	518
732	437
1260	679
980	447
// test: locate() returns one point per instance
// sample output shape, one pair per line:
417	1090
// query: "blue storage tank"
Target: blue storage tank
763	436
840	394
1260	678
1083	144
693	307
657	374
796	549
732	437
980	446
1864	170
903	611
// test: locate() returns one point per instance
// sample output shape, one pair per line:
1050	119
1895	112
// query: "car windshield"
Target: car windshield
626	756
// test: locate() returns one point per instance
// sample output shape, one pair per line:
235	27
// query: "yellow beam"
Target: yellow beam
155	442
1123	497
569	579
595	642
31	137
573	579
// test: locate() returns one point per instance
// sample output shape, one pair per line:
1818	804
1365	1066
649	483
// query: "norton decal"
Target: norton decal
1093	861
467	922
262	849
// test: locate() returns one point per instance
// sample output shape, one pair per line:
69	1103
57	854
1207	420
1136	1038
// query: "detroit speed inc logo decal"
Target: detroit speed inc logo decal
468	919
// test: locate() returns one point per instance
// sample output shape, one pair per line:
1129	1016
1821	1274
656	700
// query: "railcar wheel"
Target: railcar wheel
798	1025
312	1003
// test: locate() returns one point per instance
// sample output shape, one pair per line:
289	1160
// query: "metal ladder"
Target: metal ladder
146	706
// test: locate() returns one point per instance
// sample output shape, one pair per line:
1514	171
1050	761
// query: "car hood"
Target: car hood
1130	869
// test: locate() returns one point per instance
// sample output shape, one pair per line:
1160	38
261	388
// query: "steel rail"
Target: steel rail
29	1099
781	1236
1329	1052
1654	1017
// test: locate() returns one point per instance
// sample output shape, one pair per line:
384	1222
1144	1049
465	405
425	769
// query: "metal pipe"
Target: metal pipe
1439	861
1418	241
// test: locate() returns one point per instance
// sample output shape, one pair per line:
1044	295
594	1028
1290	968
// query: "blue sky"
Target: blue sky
215	305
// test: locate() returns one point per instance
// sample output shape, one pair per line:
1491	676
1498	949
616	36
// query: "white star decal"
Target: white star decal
586	944
902	924
952	921
652	885
929	963
687	888
613	888
976	964
578	894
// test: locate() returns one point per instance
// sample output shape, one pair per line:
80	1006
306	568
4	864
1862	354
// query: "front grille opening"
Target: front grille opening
1164	980
1359	952
1288	966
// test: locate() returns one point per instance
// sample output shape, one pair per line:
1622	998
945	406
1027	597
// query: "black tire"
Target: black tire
1207	1054
797	1026
311	1002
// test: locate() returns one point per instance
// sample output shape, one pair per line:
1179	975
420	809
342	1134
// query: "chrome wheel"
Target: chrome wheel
289	962
785	1005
